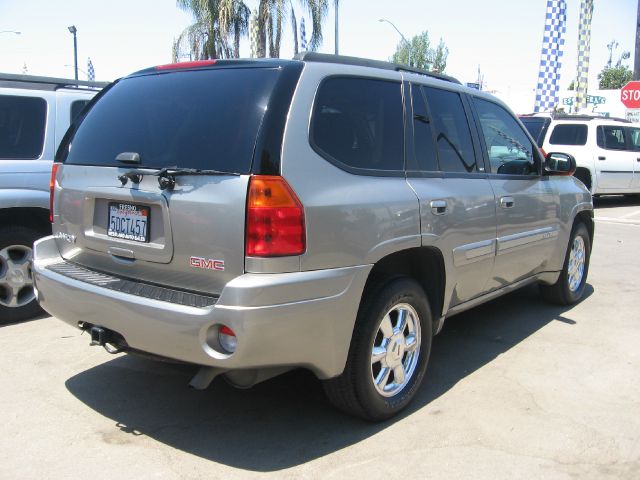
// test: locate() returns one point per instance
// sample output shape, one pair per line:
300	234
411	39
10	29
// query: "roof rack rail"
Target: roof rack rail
573	116
365	62
31	82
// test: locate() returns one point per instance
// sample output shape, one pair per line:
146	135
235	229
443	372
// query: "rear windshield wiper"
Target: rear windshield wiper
167	175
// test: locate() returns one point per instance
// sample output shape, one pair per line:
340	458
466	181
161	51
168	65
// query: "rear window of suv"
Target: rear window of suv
204	119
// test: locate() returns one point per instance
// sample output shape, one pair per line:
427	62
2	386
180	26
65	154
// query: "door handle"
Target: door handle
438	207
602	158
507	202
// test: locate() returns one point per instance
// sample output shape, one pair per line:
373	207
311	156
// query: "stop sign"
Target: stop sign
630	95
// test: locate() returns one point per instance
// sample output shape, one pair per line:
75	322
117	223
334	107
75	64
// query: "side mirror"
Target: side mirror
556	163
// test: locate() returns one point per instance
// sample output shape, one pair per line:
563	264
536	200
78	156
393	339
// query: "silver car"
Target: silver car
328	213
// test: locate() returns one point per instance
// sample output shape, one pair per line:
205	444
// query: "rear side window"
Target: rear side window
204	119
509	149
358	123
634	136
611	137
76	108
423	142
453	137
22	127
569	134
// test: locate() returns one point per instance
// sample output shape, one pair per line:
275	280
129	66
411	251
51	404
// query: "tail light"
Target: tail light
275	219
52	187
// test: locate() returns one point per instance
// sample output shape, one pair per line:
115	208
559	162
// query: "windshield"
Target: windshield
203	119
537	127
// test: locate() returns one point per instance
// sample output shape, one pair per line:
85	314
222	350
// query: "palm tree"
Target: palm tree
271	15
216	21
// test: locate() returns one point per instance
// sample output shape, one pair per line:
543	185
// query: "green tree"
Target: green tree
216	31
423	56
613	78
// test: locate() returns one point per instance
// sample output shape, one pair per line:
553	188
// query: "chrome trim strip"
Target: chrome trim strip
525	238
473	252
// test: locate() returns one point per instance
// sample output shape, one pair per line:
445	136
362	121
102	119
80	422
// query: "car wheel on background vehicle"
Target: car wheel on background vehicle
570	285
17	297
389	352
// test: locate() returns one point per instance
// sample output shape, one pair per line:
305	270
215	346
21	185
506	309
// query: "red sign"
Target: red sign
630	95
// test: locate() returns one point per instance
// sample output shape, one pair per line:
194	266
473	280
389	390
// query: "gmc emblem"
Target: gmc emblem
206	263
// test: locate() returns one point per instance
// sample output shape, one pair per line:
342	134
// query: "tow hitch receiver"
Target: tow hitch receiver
111	341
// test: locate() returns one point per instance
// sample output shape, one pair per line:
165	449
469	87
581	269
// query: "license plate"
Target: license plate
128	221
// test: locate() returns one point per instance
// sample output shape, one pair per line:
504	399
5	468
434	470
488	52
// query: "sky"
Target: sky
503	38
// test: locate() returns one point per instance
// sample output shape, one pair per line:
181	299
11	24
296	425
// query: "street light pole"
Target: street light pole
337	2
74	30
399	33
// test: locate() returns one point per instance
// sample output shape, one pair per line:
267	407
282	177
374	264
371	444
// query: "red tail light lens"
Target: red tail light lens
275	219
52	185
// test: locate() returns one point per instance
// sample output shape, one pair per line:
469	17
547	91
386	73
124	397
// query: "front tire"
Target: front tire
570	286
389	352
17	297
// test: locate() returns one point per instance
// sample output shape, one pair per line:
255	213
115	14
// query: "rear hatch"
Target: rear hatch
154	180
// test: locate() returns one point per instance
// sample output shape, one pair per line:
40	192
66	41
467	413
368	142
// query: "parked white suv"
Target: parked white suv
35	113
607	150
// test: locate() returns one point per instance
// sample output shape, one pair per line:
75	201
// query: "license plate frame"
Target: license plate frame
131	221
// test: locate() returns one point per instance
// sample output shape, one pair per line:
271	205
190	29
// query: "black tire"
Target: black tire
22	238
355	392
561	292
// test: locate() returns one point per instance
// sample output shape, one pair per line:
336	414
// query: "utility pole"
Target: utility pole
73	30
336	9
636	63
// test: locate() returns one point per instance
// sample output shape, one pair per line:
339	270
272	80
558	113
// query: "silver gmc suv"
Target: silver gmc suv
329	213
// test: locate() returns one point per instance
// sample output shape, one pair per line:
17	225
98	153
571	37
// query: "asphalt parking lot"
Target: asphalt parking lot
515	389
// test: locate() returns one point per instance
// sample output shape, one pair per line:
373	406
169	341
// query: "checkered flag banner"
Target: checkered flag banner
303	36
551	56
253	33
91	73
584	51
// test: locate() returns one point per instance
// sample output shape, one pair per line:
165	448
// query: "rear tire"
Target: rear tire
389	352
17	298
572	281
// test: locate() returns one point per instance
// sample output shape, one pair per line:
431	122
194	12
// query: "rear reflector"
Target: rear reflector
183	65
227	339
52	187
275	219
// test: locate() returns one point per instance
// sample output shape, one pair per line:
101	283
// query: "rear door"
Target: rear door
526	203
457	209
110	204
615	161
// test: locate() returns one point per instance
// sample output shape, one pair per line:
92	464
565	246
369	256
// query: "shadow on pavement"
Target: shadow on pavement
613	201
286	421
6	323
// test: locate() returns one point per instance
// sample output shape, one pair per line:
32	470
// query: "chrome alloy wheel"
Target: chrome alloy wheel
575	270
395	350
16	279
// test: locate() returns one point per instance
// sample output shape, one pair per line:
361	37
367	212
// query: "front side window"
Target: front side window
358	123
453	137
611	137
509	149
569	134
22	127
76	108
